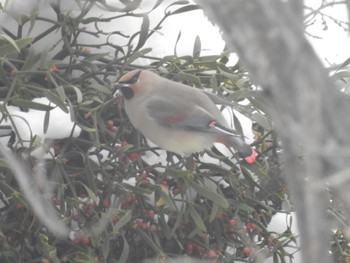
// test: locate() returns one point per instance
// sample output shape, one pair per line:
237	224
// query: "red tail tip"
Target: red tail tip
251	158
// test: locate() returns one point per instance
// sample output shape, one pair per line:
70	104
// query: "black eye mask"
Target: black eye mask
127	92
123	86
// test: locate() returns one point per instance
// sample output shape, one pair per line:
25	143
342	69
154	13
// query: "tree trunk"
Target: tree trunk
310	113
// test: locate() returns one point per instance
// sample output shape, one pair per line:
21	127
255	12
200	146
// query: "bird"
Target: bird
176	117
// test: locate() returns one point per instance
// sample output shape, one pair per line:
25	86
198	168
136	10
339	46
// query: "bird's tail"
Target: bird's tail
233	140
243	149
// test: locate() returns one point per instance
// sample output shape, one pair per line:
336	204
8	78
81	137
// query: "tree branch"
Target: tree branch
308	110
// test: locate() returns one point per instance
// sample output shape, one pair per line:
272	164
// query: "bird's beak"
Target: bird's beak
121	85
118	87
126	90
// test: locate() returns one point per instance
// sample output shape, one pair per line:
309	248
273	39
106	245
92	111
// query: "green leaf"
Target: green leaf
176	42
125	253
148	240
14	46
182	76
94	57
87	129
207	193
169	202
90	193
196	218
215	211
61	93
31	62
344	64
99	89
214	83
341	74
197	47
237	124
11	42
122	222
46	120
261	120
56	100
184	9
28	104
137	55
106	246
4	164
143	32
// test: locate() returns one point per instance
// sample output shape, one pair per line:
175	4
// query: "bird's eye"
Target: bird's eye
127	92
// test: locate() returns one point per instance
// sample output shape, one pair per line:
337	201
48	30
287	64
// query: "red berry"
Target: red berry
250	226
105	203
76	241
114	129
56	201
221	216
144	226
131	198
189	248
90	212
212	253
152	228
85	240
109	124
150	214
144	175
139	222
232	222
199	248
133	156
246	251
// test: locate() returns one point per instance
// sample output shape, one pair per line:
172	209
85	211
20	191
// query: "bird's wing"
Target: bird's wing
195	118
181	116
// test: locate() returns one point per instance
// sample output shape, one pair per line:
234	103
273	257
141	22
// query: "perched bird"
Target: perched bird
177	117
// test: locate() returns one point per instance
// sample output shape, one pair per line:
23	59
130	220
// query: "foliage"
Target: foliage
118	205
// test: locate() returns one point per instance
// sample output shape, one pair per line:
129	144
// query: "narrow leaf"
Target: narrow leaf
188	77
14	46
30	104
61	93
137	55
184	9
262	120
176	42
165	197
197	47
56	100
143	32
216	209
122	222
207	193
196	218
237	124
125	253
106	247
46	120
